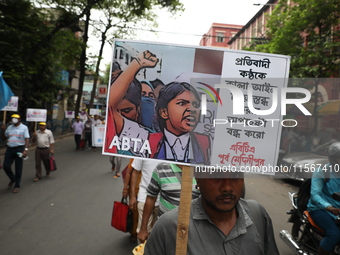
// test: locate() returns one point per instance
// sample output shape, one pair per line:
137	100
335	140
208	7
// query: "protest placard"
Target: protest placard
69	114
175	103
189	105
94	111
12	104
98	135
36	115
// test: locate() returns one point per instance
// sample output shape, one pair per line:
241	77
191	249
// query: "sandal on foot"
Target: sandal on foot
48	176
16	190
36	179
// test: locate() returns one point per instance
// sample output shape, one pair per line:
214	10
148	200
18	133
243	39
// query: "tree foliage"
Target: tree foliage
308	31
32	72
36	44
119	11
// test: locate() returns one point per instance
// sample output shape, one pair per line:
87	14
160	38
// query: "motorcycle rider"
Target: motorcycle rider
321	206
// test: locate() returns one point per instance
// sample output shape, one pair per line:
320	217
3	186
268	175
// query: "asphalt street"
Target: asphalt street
70	212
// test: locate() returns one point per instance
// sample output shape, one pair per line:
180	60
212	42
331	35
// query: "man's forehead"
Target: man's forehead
219	175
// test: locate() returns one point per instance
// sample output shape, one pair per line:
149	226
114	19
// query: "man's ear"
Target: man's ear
164	113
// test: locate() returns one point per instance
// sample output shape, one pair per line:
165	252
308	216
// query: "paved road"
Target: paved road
70	212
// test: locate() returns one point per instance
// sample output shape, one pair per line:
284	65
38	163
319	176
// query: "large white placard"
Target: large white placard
36	115
69	114
94	111
98	135
12	104
179	105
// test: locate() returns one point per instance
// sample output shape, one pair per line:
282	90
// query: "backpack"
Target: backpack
303	194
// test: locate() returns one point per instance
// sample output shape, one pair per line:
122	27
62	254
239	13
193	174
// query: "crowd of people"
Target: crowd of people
220	220
83	128
17	137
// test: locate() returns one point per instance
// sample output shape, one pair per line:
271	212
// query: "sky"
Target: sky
192	23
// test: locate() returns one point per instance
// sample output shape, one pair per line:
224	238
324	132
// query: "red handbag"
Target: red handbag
121	216
53	165
82	144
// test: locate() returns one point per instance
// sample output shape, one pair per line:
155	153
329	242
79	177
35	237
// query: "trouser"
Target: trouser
42	154
10	156
77	139
331	230
152	220
88	139
113	164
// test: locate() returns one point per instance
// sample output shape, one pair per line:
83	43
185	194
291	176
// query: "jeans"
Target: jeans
10	156
331	230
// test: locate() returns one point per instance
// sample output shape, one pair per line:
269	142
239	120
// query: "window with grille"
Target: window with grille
220	37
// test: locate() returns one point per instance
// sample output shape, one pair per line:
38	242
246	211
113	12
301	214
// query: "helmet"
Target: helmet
15	115
334	152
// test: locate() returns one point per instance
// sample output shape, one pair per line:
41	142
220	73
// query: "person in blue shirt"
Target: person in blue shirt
17	136
321	206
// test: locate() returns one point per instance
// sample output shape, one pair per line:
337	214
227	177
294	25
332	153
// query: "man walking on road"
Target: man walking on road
78	128
45	141
17	136
220	223
146	167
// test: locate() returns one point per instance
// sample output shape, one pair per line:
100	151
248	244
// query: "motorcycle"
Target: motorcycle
306	235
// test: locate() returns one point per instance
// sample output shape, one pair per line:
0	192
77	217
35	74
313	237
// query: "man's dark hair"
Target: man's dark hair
169	92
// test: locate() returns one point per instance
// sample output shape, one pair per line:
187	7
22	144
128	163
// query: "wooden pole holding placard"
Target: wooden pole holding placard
4	122
184	211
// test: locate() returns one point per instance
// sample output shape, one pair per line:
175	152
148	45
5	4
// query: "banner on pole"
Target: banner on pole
98	135
69	114
95	111
180	105
12	104
36	115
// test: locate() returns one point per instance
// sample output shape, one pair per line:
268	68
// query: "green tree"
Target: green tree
117	19
308	31
33	73
129	8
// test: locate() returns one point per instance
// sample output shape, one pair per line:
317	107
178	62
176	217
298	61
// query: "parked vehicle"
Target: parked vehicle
297	165
305	236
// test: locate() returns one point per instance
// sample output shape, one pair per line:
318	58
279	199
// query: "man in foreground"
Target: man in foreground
220	223
17	136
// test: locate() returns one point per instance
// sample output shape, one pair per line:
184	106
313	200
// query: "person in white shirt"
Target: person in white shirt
146	167
95	121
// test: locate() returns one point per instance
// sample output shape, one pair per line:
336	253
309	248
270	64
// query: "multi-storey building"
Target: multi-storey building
219	35
328	91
